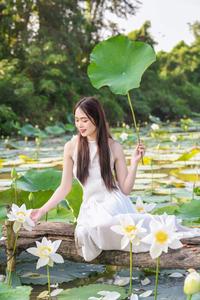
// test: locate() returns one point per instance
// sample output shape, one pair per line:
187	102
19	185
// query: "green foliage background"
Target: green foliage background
44	54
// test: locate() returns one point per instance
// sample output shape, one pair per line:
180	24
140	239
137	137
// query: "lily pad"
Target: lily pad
18	293
84	292
119	63
66	272
186	156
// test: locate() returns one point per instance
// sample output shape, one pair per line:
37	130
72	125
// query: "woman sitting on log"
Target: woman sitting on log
98	163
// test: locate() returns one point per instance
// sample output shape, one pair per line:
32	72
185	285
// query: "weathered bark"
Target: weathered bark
185	257
10	241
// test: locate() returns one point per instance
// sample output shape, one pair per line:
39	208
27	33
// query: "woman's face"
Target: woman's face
83	123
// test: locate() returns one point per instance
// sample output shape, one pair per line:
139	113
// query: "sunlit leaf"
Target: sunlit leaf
119	63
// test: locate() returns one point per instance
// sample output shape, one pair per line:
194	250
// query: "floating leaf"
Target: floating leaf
59	274
84	292
186	175
18	293
26	158
186	156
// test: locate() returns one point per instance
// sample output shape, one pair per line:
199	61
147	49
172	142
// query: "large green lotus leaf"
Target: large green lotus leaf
39	180
60	214
55	130
84	292
74	198
29	130
3	213
70	127
119	63
18	293
190	210
8	197
170	210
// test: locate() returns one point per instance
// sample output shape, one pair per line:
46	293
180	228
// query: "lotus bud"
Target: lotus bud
31	197
192	283
13	173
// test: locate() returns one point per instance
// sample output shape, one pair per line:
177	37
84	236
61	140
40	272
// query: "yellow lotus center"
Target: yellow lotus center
45	251
161	237
140	209
21	215
130	228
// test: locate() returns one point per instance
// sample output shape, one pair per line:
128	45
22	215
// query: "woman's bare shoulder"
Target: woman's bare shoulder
69	145
115	145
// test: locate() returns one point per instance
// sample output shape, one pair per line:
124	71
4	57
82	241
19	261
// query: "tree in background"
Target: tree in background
44	53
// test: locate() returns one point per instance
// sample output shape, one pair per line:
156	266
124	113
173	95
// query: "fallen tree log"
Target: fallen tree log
186	257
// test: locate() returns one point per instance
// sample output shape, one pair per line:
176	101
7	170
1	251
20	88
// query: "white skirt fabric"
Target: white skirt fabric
101	209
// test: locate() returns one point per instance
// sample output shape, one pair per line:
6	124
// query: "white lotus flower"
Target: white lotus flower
192	282
145	281
56	292
106	296
124	136
155	126
121	281
130	230
46	251
173	138
21	216
146	294
163	235
141	207
176	275
134	297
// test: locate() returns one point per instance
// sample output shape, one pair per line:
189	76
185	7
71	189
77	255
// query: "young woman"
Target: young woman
98	162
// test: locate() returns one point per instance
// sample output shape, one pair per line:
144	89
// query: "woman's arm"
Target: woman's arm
64	187
126	177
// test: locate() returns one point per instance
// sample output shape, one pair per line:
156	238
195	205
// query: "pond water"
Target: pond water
168	176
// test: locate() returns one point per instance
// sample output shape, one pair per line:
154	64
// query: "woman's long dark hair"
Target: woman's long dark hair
94	111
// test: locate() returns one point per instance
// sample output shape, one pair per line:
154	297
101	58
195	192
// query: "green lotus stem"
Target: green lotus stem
156	283
88	10
14	248
46	217
133	115
131	269
134	120
193	187
15	190
189	297
48	277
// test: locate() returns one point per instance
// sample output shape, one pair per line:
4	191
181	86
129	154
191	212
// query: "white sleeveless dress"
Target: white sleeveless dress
100	209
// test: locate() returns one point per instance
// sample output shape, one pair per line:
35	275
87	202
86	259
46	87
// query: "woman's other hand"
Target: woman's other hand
36	214
138	153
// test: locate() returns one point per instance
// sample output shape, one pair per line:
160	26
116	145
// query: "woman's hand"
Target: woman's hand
36	214
138	153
